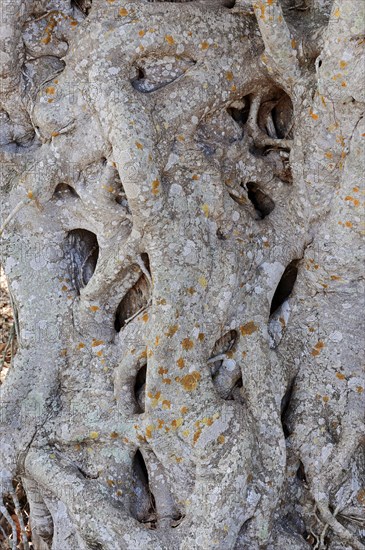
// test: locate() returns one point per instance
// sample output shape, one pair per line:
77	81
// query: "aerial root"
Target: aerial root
337	528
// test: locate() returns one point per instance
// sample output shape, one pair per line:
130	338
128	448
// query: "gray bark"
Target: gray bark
181	232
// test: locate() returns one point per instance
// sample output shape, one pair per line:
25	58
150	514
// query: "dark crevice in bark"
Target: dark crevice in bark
65	191
285	286
83	5
263	204
301	472
240	114
275	116
134	301
82	252
143	507
225	378
285	404
139	389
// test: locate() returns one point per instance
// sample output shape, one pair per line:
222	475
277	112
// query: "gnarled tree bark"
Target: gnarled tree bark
181	232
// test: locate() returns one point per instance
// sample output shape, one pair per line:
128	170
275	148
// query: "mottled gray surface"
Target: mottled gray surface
184	249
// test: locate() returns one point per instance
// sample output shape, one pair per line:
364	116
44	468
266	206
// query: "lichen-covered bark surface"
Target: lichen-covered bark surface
181	233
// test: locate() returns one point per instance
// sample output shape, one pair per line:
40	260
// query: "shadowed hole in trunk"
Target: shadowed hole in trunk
240	111
139	389
301	473
64	191
285	403
285	286
225	373
263	204
83	5
81	252
135	300
142	507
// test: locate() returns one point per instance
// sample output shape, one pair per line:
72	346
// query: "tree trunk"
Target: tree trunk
181	233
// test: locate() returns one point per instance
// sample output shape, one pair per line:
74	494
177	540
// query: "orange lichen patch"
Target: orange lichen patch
221	439
201	336
248	328
203	282
180	363
50	90
145	317
125	440
149	430
99	353
186	433
171	330
355	202
233	88
50	100
325	398
328	154
161	302
177	423
270	2
266	244
204	45
81	345
335	278
348	224
162	371
313	115
157	341
142	33
169	39
207	420
180	138
293	43
360	497
359	389
343	64
139	145
343	84
123	12
317	348
195	177
155	187
64	288
187	344
184	410
190	381
337	13
355	189
94	435
166	404
96	343
142	355
166	381
110	482
191	290
119	493
94	308
114	435
316	266
160	423
340	376
197	434
73	23
229	76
